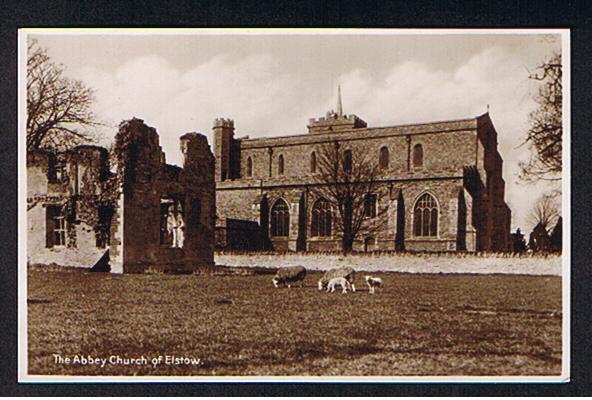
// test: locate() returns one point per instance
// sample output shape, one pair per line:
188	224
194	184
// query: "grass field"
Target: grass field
241	325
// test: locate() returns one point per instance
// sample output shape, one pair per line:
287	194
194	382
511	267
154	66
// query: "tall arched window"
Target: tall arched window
321	218
347	160
383	160
417	155
280	218
280	164
425	217
249	167
313	162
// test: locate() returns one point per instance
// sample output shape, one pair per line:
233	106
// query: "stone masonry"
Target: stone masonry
65	225
148	216
460	171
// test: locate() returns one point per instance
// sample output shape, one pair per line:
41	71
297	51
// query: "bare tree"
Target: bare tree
546	212
348	181
546	131
58	108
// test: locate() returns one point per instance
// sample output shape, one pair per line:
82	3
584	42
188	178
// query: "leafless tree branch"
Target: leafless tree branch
58	108
545	135
545	212
345	184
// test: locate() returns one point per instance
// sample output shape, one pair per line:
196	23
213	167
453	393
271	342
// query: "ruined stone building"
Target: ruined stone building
440	186
146	216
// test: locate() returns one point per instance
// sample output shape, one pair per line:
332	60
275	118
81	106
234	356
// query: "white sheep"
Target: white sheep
372	283
289	275
341	281
345	272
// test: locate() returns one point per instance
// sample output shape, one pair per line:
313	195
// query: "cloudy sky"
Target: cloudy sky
271	84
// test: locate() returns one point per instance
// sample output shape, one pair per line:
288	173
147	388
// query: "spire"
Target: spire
339	106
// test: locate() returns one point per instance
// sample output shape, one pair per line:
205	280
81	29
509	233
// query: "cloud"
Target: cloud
175	101
266	99
416	92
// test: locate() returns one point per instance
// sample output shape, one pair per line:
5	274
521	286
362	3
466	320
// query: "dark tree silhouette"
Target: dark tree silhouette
544	137
346	179
518	241
545	212
58	108
539	239
556	240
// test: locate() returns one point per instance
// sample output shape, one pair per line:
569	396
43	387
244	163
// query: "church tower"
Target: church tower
335	121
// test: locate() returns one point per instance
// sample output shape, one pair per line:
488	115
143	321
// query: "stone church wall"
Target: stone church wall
472	213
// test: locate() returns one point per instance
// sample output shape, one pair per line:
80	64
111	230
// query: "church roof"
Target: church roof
367	133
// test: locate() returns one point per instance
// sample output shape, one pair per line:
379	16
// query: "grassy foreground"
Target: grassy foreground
241	325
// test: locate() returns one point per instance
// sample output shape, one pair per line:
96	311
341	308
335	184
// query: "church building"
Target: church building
439	187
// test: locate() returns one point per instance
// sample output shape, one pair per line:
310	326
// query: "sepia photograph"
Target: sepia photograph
294	205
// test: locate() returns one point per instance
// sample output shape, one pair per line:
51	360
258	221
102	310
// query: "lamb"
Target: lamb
345	272
289	275
338	282
372	283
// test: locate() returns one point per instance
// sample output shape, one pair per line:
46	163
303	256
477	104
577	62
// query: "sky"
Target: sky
271	84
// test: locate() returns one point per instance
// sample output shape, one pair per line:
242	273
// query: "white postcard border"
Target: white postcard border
22	340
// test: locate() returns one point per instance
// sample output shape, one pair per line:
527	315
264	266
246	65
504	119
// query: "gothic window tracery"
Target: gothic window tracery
425	217
321	218
280	219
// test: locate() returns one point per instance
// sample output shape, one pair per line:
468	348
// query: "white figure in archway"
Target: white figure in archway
170	225
175	224
179	236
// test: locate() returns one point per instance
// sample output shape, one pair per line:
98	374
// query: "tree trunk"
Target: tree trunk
347	244
348	239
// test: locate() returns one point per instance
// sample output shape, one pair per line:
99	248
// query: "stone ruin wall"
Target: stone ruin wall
136	194
147	182
75	187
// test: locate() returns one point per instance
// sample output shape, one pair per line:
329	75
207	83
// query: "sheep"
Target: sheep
289	275
345	272
372	283
340	281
